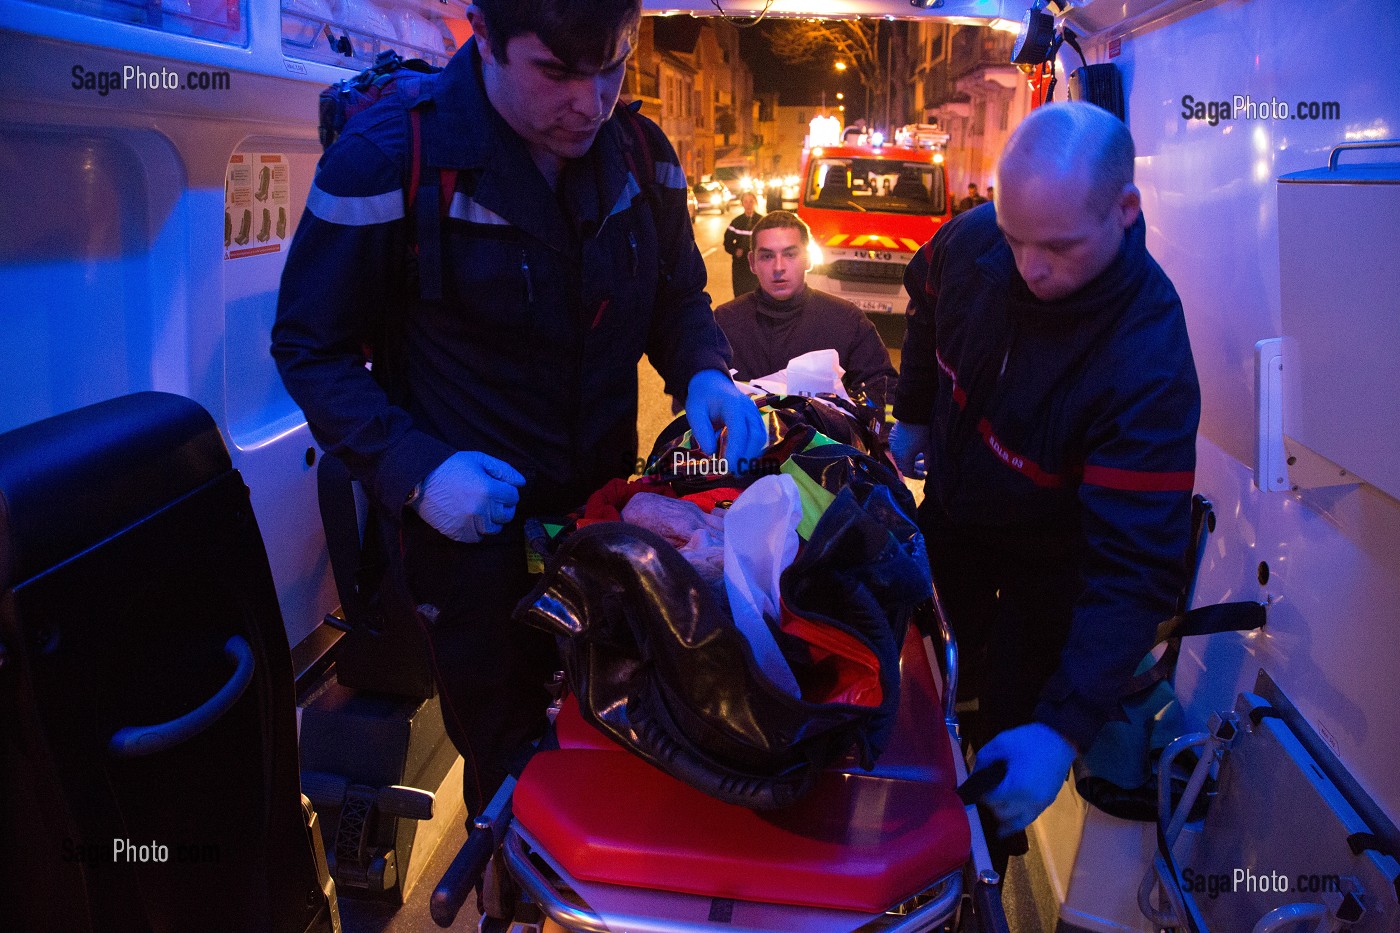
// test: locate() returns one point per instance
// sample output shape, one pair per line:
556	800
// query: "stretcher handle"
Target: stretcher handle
469	865
461	877
980	782
135	741
987	907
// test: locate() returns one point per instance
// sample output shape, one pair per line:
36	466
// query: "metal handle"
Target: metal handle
534	884
1373	144
949	661
135	741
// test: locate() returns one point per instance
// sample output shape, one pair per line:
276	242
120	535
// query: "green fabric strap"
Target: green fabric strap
815	499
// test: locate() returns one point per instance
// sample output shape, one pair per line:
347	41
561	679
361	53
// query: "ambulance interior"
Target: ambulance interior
142	239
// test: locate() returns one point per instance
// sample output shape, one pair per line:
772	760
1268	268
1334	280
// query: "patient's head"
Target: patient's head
778	254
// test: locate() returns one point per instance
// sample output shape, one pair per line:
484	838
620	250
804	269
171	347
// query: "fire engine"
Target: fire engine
871	206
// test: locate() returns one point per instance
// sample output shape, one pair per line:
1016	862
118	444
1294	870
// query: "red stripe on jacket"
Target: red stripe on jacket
1027	468
1139	480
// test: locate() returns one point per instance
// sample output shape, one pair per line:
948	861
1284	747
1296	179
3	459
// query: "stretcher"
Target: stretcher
598	840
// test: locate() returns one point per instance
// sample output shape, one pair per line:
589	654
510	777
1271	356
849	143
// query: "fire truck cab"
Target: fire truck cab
870	207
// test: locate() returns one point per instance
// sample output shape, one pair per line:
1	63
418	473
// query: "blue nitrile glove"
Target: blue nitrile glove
469	495
1037	761
909	443
713	401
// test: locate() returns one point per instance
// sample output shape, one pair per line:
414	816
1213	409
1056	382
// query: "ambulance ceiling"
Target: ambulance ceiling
971	11
1088	16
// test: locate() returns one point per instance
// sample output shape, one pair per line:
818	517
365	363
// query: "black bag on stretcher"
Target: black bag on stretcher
658	664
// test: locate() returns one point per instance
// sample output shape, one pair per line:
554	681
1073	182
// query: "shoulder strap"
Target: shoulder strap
636	148
428	198
637	151
356	556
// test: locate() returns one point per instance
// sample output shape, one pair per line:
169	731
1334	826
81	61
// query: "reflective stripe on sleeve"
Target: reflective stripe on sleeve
464	208
355	212
629	193
670	175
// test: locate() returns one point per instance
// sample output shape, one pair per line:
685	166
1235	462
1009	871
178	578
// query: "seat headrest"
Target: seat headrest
73	480
835	184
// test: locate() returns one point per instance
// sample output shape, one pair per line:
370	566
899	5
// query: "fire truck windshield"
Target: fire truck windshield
874	185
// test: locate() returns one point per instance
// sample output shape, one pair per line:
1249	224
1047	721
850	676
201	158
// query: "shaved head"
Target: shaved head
1065	196
1074	144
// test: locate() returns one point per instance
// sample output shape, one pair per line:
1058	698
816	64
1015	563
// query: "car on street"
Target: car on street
714	196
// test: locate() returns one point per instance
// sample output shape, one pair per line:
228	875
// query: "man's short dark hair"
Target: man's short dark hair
778	220
578	32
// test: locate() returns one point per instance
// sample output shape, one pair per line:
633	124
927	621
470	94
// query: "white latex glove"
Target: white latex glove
469	495
909	443
1037	761
713	401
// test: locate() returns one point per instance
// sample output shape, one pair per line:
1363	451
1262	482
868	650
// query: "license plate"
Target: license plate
873	305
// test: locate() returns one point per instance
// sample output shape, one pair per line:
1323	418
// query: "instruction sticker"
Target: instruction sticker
257	204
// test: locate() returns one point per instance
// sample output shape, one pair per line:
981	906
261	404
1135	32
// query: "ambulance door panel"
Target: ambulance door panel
269	439
112	256
83	279
1331	558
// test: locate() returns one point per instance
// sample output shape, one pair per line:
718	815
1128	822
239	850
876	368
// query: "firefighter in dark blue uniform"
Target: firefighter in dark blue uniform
562	258
1048	381
738	243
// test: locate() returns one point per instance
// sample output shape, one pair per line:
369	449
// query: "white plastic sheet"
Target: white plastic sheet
809	374
760	542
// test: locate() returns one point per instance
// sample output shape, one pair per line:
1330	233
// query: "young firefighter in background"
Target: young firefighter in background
738	238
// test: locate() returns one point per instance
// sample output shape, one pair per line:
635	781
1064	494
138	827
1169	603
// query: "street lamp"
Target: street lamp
840	96
840	66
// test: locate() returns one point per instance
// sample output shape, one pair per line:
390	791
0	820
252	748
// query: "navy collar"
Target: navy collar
1122	277
453	136
463	131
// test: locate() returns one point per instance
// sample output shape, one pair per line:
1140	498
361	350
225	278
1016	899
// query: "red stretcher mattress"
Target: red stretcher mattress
860	841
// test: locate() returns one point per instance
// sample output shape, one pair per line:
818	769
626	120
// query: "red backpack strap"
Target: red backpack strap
428	196
636	143
415	125
645	173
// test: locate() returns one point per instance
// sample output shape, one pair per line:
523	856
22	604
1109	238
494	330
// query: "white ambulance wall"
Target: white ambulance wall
112	269
1210	201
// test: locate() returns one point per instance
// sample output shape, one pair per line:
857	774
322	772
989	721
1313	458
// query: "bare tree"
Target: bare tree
859	43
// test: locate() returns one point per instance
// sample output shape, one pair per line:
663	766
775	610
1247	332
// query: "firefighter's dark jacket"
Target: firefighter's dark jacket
549	301
1069	423
739	235
766	333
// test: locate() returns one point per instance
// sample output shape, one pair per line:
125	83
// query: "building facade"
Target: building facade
691	80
